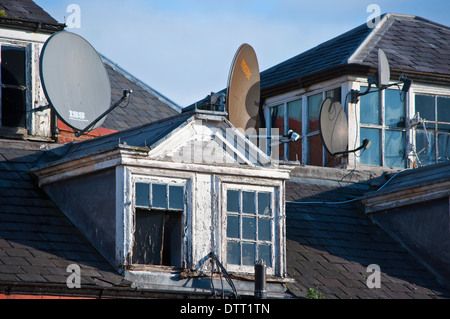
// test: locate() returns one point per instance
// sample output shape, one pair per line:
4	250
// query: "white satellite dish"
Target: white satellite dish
384	72
75	81
333	126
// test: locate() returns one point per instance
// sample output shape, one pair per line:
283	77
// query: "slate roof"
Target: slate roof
25	14
37	242
414	46
146	104
330	246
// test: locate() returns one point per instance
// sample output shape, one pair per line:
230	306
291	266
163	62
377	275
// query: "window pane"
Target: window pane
264	203
176	197
443	147
264	231
159	195
425	106
13	72
277	117
265	253
249	228
395	149
295	123
371	156
427	154
394	109
233	201
314	104
334	93
233	227
142	194
443	109
248	202
315	150
370	108
295	116
248	254
233	253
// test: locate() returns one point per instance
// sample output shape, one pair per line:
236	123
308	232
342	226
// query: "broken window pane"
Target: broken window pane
159	195
13	75
233	201
264	201
248	202
425	147
148	238
248	254
233	253
176	197
395	149
233	226
249	228
394	109
142	194
157	238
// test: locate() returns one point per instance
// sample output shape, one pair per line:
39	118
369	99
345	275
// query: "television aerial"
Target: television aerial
75	82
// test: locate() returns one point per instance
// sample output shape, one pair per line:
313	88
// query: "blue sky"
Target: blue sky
184	48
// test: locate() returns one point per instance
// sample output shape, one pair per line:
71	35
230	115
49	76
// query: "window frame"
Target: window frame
435	132
305	135
276	239
167	181
29	73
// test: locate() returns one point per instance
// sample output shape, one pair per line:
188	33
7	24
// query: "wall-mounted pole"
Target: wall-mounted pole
260	279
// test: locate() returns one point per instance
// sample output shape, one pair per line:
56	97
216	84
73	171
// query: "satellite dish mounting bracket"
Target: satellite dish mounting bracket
126	94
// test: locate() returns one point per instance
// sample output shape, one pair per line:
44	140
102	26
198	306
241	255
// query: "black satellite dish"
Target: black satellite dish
243	89
75	81
333	126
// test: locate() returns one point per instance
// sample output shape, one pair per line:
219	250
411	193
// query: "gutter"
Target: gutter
28	25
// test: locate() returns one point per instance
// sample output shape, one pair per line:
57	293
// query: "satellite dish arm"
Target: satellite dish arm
126	94
365	145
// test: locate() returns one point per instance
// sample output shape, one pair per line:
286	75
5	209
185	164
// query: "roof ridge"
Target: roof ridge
140	83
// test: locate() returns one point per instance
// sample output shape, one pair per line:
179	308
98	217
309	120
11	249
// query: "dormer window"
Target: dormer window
13	86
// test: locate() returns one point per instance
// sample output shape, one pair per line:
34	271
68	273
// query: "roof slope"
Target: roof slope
37	242
145	105
25	14
414	46
330	246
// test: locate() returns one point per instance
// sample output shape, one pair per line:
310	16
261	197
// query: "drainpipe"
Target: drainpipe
260	279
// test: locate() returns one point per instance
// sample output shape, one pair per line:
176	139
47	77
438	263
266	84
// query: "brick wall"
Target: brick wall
67	135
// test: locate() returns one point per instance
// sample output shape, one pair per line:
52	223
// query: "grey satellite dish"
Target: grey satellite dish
243	89
74	80
384	72
333	126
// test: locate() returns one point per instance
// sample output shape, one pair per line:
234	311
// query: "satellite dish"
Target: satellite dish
75	81
243	89
333	126
384	73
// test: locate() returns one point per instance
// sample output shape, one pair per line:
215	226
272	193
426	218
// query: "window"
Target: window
382	116
250	229
309	148
13	86
433	141
158	224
